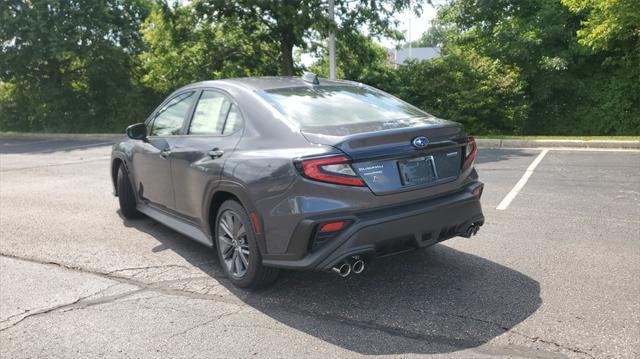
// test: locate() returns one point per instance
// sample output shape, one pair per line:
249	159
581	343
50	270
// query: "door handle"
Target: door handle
165	153
215	153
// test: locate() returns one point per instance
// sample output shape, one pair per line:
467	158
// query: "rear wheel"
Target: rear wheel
237	248
126	196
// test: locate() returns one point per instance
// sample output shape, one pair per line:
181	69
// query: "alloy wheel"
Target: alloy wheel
233	243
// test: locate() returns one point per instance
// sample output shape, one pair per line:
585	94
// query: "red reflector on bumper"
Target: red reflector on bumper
477	191
332	226
256	222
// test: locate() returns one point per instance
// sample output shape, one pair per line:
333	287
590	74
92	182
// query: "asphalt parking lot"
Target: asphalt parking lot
555	274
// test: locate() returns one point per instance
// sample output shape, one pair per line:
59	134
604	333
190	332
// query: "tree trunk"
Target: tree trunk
286	59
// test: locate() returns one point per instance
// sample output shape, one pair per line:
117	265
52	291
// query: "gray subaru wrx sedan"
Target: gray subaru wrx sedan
298	173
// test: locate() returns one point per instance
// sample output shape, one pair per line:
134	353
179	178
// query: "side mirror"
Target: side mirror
137	131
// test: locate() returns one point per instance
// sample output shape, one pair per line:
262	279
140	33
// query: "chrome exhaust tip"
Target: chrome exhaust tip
343	269
358	266
472	230
469	232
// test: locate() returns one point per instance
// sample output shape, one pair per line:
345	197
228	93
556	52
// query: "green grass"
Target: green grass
582	138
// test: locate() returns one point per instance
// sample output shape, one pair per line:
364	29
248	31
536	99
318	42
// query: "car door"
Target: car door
151	159
197	159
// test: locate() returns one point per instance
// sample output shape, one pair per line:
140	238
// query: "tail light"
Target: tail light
336	170
470	152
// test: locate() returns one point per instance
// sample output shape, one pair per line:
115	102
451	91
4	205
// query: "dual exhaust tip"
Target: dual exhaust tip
348	266
472	230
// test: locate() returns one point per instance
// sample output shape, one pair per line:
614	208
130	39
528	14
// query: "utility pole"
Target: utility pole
410	44
332	42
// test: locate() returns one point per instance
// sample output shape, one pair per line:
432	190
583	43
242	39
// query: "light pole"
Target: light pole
332	42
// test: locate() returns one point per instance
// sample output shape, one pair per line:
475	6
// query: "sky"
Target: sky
409	21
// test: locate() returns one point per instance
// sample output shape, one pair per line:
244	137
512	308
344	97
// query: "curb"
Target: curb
482	143
491	143
66	136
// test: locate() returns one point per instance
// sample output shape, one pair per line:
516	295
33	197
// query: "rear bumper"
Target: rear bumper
384	231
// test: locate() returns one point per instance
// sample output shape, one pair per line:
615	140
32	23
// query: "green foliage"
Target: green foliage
292	23
483	94
608	24
69	64
571	89
568	67
185	47
360	59
611	29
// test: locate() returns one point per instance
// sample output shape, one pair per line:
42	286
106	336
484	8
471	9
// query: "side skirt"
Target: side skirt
187	229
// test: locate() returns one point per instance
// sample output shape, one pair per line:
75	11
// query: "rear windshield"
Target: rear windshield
338	105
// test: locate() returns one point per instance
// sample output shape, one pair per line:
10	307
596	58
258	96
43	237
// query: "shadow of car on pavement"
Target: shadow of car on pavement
435	300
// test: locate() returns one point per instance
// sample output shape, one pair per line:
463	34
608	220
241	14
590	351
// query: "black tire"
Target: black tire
126	196
255	274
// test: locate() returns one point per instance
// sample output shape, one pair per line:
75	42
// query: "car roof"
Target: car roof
272	82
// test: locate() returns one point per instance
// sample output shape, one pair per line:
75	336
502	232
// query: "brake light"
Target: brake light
334	170
470	152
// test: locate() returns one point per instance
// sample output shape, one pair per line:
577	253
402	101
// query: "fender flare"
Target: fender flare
242	194
112	170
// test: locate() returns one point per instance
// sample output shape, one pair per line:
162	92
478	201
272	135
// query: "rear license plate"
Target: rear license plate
419	170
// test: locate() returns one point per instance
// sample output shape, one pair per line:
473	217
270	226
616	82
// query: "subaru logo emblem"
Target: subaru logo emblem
420	142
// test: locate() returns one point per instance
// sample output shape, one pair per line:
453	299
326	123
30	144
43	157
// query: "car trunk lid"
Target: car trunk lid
385	157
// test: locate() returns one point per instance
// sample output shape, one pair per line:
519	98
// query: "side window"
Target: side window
234	121
169	119
211	111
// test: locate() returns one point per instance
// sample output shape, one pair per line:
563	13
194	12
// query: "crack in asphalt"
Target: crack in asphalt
7	319
372	325
516	332
76	304
41	310
147	267
160	287
218	317
558	345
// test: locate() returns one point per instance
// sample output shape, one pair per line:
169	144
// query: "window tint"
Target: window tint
214	115
170	118
338	105
210	113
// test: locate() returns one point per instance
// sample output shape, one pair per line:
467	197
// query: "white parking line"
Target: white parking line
525	177
578	149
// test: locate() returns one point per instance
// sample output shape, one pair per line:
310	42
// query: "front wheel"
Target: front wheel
126	196
237	248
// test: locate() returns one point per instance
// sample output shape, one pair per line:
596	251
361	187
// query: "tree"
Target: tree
292	23
608	24
611	30
184	46
484	94
359	58
70	63
562	76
